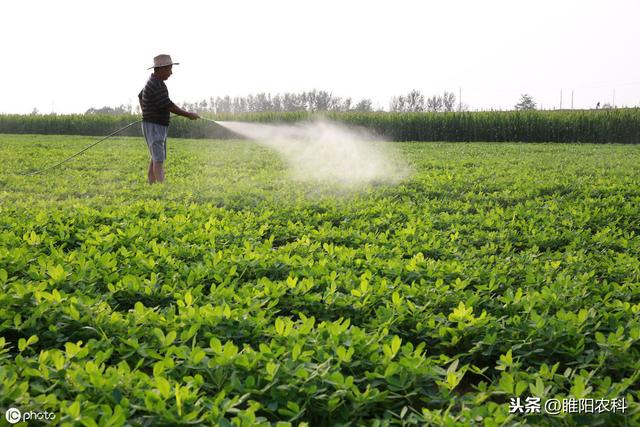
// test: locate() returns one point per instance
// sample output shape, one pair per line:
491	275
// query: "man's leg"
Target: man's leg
158	171
150	175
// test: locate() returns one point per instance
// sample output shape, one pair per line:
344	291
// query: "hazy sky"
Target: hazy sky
67	56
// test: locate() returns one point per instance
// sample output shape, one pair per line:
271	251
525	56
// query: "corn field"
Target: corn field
588	126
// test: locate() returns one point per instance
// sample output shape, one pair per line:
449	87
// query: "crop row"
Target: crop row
233	295
603	126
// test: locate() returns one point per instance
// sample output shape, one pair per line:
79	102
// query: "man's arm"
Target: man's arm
179	111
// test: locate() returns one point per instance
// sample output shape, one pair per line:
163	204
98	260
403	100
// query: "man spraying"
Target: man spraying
156	106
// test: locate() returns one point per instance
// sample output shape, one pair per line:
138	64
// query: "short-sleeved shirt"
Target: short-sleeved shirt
155	102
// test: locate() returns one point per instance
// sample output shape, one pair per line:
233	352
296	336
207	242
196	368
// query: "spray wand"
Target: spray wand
209	120
93	145
81	151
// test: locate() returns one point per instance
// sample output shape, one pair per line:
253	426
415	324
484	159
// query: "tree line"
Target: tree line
311	102
320	101
323	101
415	102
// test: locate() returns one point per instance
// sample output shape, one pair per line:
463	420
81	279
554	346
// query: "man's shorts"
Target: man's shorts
156	137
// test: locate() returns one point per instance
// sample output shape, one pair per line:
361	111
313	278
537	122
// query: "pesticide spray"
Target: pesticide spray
329	152
319	151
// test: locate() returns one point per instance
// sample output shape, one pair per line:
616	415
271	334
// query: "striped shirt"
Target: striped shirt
155	102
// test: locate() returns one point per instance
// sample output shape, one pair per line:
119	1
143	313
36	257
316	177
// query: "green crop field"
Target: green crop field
234	295
584	126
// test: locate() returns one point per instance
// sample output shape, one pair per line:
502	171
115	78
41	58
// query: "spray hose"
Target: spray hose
81	151
91	146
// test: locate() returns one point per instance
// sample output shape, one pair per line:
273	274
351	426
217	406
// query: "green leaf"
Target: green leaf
505	362
537	390
396	299
178	399
391	369
272	369
295	352
215	345
88	422
579	389
343	354
56	272
453	380
163	386
74	410
292	282
226	311
396	341
138	308
17	320
170	338
23	344
197	355
75	315
157	332
461	313
118	418
279	326
364	286
506	383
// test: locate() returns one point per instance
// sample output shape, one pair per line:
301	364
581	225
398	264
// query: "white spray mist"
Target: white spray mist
327	151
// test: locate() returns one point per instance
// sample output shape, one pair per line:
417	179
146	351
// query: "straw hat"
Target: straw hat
162	61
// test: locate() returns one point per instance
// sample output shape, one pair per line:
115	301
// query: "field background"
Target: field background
592	126
233	295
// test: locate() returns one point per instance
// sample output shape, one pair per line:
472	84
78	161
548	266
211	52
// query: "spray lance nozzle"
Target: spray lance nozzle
209	120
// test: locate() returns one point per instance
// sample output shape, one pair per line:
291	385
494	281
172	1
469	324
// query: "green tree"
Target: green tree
365	105
412	102
526	103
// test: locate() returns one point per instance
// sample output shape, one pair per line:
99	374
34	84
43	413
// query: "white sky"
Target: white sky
68	56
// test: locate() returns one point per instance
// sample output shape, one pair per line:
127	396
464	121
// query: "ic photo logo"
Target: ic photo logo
14	416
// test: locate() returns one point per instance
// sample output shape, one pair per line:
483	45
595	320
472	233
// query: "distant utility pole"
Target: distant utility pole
613	101
561	99
572	99
460	101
